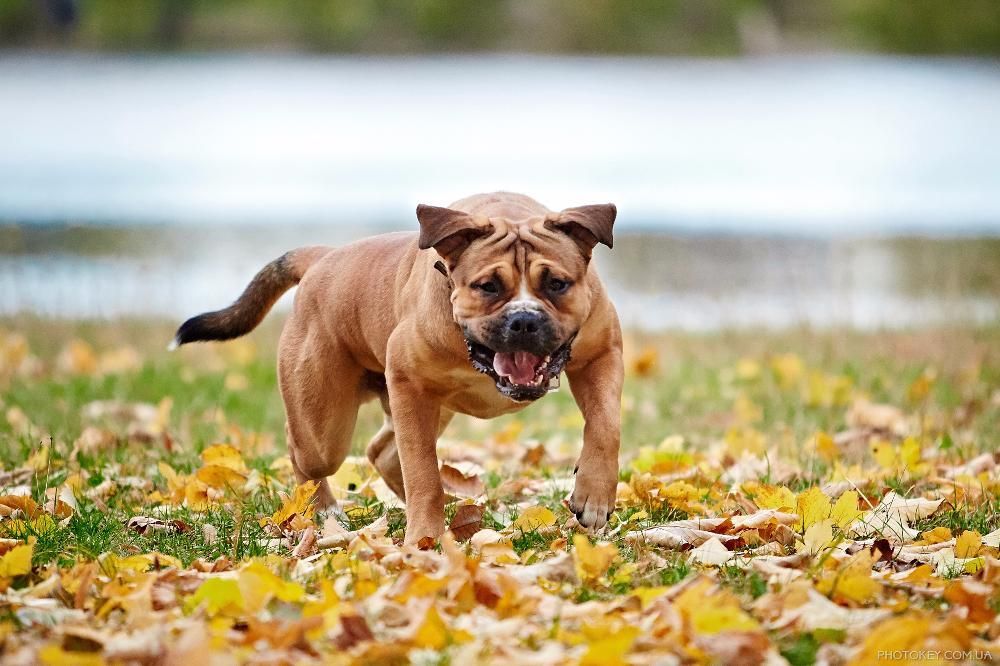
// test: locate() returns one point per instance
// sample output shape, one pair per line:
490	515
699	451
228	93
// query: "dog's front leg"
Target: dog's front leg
597	388
416	417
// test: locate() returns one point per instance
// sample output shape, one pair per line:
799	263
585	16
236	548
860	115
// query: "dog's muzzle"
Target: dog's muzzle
520	375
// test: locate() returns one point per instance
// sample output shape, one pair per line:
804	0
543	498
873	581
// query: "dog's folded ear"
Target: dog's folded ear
448	231
587	225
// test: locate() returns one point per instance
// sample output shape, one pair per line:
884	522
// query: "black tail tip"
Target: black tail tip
194	329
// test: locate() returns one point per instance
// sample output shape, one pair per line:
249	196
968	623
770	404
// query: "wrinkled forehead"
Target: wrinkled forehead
523	243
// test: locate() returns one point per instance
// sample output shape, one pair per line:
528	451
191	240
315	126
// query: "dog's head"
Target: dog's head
520	291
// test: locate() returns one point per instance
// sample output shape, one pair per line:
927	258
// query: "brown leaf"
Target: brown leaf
737	647
458	484
533	456
882	549
22	503
487	588
426	543
467	521
83	639
354	630
974	596
86	578
144	525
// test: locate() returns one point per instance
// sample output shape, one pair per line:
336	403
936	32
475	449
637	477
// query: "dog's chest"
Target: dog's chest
476	395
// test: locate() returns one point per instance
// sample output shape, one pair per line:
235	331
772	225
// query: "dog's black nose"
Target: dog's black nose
525	330
524	324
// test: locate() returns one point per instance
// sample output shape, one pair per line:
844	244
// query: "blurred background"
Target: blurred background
775	162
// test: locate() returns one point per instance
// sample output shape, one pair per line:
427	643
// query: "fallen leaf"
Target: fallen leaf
298	503
16	561
592	561
459	485
467	521
968	544
533	518
711	553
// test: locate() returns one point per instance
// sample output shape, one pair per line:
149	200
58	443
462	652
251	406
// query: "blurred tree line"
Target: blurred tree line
689	27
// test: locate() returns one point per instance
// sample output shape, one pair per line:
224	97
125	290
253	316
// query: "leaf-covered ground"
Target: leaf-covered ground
793	497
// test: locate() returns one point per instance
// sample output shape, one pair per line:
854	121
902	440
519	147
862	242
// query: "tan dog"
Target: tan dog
485	332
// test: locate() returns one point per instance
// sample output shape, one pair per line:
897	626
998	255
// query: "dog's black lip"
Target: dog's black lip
481	358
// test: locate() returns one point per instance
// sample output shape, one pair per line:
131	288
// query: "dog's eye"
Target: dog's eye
557	286
489	287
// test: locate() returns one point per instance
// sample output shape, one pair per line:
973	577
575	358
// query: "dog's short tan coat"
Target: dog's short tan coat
382	318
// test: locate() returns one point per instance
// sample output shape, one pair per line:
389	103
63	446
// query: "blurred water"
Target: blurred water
766	192
694	282
813	145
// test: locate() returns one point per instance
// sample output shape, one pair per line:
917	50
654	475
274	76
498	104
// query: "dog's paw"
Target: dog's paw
423	535
593	498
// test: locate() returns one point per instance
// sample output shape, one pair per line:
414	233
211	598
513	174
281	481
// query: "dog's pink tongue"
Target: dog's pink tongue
518	367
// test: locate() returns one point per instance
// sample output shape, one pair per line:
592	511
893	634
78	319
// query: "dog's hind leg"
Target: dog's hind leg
324	497
322	390
382	451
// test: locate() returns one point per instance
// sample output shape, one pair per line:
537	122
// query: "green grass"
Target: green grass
228	393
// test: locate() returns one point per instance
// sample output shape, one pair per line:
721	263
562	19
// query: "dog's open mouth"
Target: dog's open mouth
520	375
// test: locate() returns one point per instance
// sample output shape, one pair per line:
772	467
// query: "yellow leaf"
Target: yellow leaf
432	633
968	544
884	454
739	440
135	564
747	369
899	635
859	588
196	495
826	448
534	517
221	476
817	538
921	574
680	494
845	510
16	561
920	388
53	655
936	535
258	585
787	369
853	582
300	502
610	647
644	364
592	561
813	506
39	460
219	595
225	455
36	526
973	565
774	497
649	594
350	477
711	619
909	453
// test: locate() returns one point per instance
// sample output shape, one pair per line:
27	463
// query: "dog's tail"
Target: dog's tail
257	299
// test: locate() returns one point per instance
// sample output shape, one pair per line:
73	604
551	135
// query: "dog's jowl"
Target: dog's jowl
479	313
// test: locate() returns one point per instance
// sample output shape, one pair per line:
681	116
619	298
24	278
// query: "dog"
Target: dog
479	313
